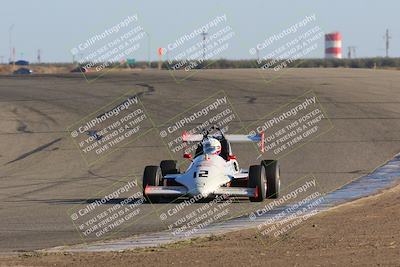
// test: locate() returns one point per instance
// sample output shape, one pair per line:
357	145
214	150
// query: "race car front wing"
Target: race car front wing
181	191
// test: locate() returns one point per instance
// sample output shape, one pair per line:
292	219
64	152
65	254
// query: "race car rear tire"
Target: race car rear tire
257	180
169	167
272	171
151	176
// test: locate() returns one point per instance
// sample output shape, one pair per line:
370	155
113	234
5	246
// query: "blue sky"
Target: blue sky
57	26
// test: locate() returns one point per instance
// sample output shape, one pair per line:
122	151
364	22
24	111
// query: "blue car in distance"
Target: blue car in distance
23	71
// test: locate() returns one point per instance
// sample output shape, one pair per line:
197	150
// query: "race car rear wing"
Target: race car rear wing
233	138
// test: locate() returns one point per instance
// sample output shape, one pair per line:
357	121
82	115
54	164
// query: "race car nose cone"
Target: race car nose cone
202	190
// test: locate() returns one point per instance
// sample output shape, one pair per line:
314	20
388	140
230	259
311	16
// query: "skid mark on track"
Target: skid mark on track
149	91
38	149
22	127
251	99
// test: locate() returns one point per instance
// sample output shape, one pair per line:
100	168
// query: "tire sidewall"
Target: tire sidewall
257	180
272	171
152	177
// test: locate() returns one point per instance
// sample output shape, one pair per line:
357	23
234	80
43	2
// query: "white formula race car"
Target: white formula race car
213	171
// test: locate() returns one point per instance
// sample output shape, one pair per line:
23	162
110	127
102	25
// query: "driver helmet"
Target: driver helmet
211	146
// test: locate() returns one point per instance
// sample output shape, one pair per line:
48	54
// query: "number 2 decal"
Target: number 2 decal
203	173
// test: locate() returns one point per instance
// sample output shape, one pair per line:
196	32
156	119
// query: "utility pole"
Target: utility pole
387	37
10	41
13	58
148	50
38	56
258	55
351	52
204	34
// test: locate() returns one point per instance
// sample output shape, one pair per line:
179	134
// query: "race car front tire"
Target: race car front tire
151	177
169	167
273	173
257	181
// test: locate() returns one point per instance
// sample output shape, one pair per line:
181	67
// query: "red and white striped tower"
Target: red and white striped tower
333	45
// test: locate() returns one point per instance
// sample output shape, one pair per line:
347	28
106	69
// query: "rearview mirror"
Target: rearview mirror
187	156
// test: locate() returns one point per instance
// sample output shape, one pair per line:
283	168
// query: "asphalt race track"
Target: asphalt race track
43	174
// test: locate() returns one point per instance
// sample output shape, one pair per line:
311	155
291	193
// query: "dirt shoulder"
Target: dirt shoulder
364	232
